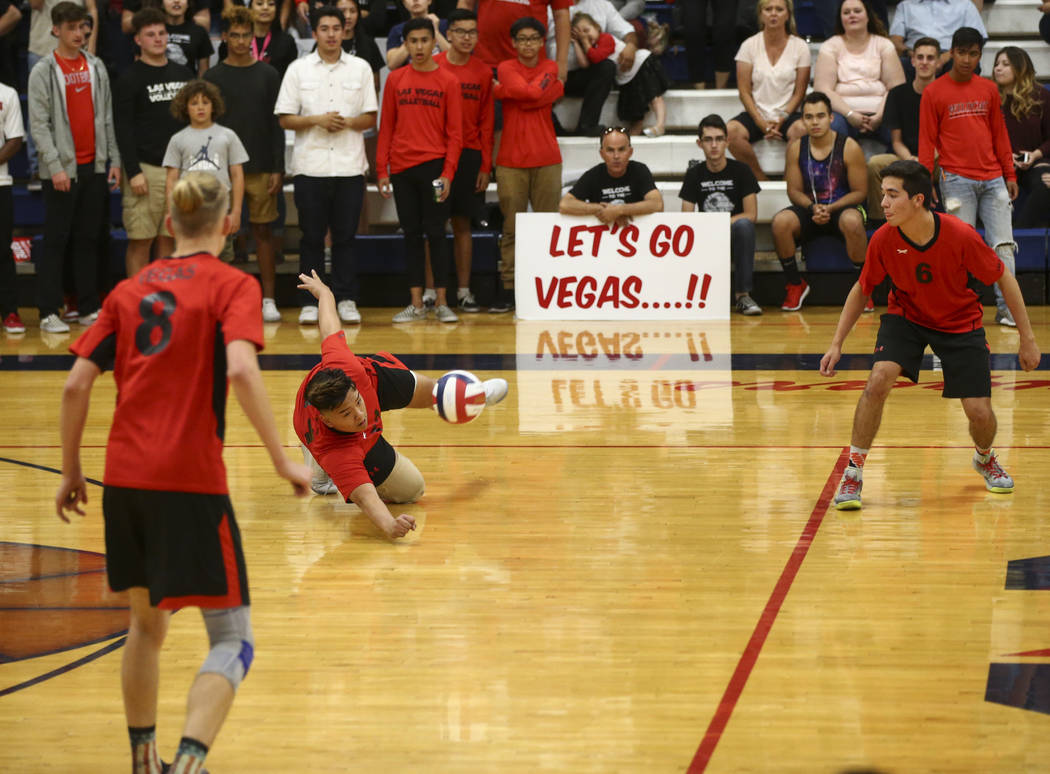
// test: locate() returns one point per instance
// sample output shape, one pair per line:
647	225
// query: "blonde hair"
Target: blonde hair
789	28
1024	102
198	202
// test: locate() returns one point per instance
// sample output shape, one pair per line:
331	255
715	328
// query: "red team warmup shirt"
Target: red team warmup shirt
528	138
164	332
930	282
495	18
426	110
350	459
475	81
957	119
79	106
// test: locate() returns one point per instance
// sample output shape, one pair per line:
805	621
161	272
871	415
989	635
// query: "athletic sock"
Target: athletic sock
144	757
462	292
857	457
792	277
190	757
983	455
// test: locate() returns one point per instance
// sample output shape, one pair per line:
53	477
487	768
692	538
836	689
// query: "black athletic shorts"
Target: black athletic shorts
811	230
964	356
395	383
462	198
184	547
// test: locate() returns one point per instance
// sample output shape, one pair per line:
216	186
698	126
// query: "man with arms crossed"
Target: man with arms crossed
929	258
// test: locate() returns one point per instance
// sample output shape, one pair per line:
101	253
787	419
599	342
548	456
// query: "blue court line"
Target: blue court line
49	577
45	468
63	669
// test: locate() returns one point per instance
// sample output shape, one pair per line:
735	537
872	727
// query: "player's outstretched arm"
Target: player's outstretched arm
368	500
851	311
327	317
76	400
242	369
1028	350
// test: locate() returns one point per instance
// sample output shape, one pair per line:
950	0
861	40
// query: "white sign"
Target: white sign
665	266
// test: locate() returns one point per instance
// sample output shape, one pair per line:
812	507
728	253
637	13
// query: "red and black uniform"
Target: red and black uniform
354	459
495	18
169	523
932	301
420	139
528	138
475	80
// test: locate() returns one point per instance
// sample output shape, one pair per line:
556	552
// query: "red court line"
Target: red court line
765	622
444	445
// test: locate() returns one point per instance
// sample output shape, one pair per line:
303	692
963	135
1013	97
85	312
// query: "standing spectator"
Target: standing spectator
475	160
11	134
397	47
856	69
357	41
726	185
826	182
71	119
145	125
528	165
1026	109
902	119
328	161
772	74
270	43
617	189
960	120
496	17
420	141
249	89
594	83
694	22
188	43
937	19
10	21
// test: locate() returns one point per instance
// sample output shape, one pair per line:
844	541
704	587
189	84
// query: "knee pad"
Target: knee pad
232	643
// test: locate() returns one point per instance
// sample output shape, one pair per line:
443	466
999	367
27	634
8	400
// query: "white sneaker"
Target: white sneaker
445	314
411	314
308	315
52	324
87	319
270	311
495	390
348	311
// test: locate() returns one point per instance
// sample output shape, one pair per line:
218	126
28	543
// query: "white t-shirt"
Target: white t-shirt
773	84
10	124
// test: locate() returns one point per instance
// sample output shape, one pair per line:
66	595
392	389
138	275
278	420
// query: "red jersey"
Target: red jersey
495	18
164	332
602	49
528	138
965	124
475	81
350	459
421	120
930	282
79	106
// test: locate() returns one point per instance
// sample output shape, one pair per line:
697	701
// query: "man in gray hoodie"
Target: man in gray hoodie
71	120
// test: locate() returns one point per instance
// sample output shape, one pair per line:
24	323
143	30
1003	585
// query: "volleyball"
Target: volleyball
459	397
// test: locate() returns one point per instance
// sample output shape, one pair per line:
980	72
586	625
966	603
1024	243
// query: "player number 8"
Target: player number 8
152	319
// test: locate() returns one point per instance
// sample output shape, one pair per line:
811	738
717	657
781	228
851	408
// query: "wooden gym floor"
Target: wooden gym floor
628	566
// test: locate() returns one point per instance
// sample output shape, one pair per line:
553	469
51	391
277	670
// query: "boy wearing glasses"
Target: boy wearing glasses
528	167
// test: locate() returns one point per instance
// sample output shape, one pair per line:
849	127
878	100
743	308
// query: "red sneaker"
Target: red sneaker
870	306
70	314
13	323
796	294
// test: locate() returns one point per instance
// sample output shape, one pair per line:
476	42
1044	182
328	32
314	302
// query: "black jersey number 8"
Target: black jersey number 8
152	319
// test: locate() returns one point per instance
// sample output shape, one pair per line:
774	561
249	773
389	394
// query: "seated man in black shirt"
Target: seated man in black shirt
616	190
719	184
902	119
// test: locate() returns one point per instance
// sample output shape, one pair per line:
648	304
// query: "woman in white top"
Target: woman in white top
857	68
772	73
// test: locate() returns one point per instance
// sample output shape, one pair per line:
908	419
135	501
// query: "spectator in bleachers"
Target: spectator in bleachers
11	134
1044	23
631	11
826	183
528	165
617	189
723	39
328	161
200	12
357	41
496	17
960	120
938	19
270	43
71	118
1026	109
641	87
772	75
719	184
420	141
396	45
144	125
188	43
902	119
475	160
249	89
827	12
594	83
856	68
